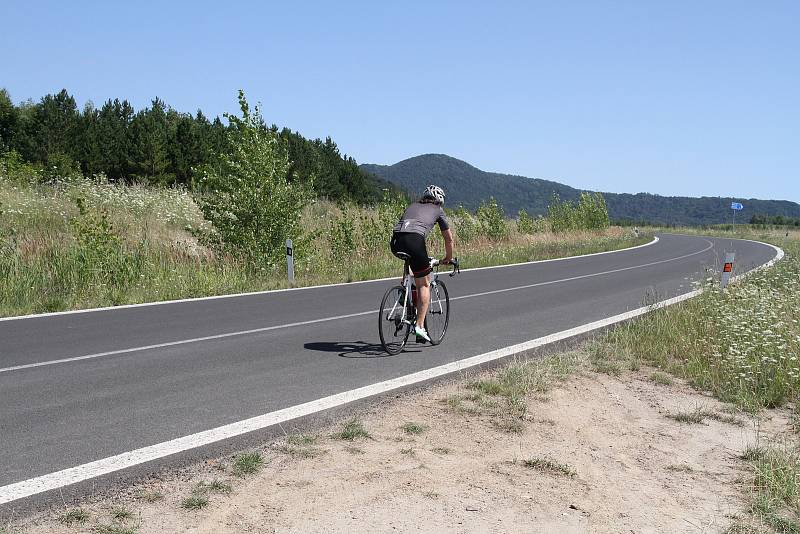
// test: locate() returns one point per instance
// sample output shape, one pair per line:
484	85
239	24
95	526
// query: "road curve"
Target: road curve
79	387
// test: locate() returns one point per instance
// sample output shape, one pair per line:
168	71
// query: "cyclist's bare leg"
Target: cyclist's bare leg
423	299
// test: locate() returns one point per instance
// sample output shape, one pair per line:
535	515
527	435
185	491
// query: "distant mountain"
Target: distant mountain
468	186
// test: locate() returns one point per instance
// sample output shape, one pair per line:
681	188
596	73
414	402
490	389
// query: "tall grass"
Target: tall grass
132	244
743	345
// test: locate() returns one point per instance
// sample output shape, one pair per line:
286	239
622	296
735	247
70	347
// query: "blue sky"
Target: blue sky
676	98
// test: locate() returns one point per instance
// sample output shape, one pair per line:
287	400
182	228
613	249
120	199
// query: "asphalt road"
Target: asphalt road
58	415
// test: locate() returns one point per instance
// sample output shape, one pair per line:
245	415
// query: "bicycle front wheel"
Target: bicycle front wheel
393	321
438	313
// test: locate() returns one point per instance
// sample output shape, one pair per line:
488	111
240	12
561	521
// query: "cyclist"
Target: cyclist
409	237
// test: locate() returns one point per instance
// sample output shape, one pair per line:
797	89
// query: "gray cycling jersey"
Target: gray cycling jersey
420	217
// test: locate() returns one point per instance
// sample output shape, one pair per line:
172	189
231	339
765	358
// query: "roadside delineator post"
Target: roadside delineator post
290	260
727	269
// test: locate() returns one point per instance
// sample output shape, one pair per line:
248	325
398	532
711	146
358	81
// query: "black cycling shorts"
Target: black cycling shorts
413	245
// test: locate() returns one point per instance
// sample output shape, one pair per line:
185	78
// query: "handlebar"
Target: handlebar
454	262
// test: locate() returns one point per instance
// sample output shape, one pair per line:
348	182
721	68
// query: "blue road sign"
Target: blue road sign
736	206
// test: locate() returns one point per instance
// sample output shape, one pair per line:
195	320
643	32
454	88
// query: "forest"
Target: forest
158	145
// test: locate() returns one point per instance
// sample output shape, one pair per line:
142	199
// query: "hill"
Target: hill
468	186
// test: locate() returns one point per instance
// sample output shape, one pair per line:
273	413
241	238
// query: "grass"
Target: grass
115	529
503	395
301	439
662	378
413	428
215	486
194	502
741	344
298	451
511	425
549	466
775	485
699	414
247	463
76	515
148	255
679	468
442	450
199	497
695	416
725	418
149	496
351	431
120	513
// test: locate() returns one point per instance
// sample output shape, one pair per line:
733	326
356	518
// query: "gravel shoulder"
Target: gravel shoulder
596	453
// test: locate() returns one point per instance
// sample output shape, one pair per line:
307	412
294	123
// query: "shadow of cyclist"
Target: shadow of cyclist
353	349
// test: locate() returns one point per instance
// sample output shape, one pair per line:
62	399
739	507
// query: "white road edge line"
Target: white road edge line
73	475
325	319
252	293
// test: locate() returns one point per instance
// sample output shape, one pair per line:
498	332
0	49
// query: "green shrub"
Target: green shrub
100	255
528	225
342	237
492	220
464	225
589	213
14	169
247	197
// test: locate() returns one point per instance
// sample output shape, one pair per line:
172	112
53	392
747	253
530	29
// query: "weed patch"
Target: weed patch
413	428
301	451
662	378
247	463
691	417
352	430
121	513
301	439
741	343
114	529
194	502
215	486
549	466
76	515
149	496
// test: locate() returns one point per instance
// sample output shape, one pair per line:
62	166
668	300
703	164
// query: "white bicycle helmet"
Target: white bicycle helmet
434	192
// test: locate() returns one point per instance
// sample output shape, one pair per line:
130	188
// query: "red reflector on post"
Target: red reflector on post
728	268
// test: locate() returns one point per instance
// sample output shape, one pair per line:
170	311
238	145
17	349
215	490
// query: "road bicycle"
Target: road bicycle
398	311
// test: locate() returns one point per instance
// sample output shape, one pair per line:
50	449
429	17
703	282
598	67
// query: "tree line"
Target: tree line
159	145
774	220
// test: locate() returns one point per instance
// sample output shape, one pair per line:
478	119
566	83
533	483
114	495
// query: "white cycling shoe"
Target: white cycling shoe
422	333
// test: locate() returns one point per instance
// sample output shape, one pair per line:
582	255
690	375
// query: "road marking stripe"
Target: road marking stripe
324	319
73	475
179	342
252	293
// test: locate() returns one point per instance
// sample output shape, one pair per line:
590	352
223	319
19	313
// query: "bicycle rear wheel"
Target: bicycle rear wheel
438	313
391	326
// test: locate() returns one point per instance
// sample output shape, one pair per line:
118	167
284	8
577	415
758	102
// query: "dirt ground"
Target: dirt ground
618	464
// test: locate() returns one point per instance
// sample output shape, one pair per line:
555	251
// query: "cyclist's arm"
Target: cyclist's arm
448	245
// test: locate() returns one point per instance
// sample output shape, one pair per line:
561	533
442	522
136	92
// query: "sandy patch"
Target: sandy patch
635	470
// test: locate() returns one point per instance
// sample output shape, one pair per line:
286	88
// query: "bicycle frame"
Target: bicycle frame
408	283
408	280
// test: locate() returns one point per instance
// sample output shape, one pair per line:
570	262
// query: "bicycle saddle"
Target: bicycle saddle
402	255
